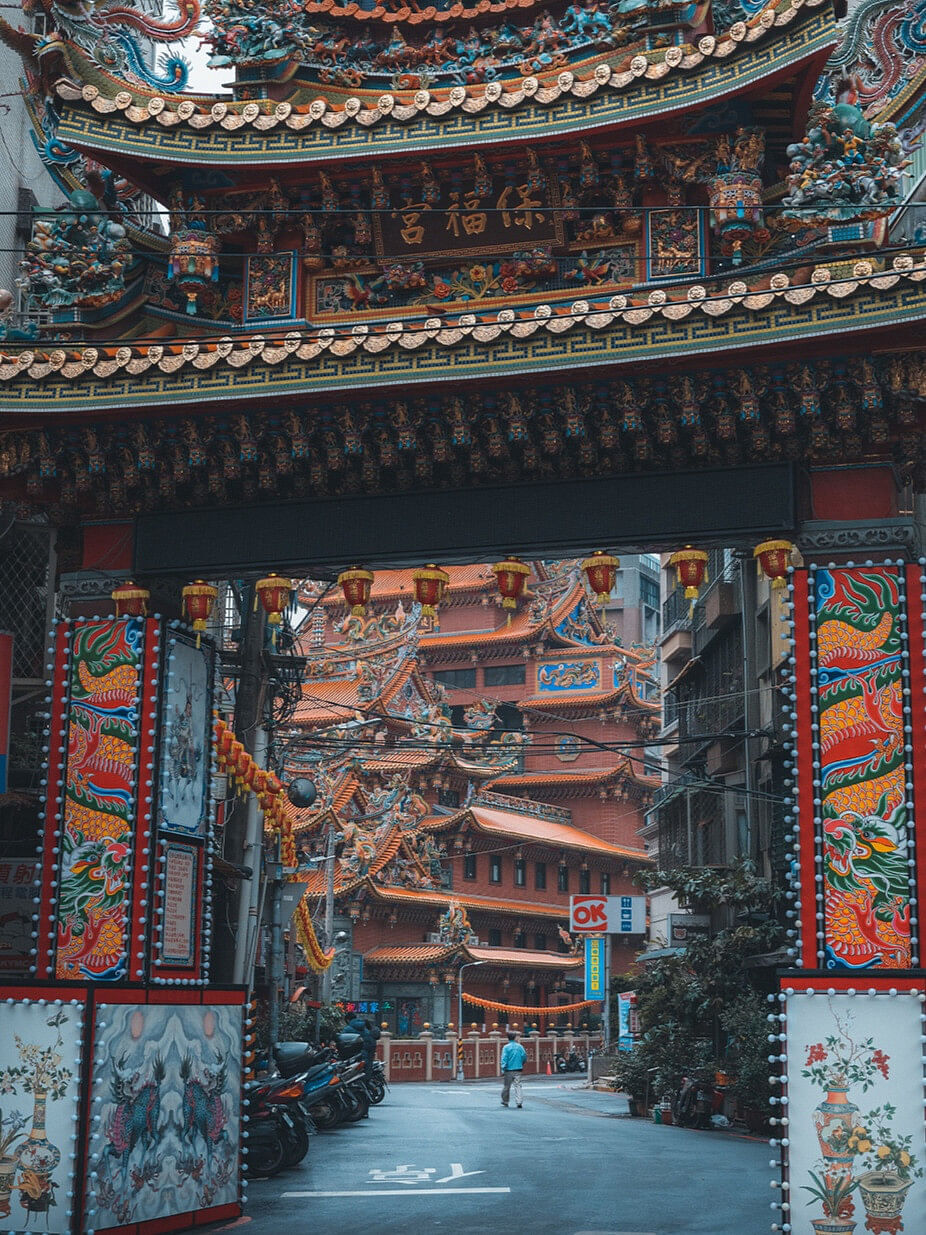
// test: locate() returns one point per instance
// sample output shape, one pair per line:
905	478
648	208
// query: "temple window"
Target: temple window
562	879
504	675
540	943
540	876
520	940
495	869
469	866
520	872
605	883
456	679
585	881
495	938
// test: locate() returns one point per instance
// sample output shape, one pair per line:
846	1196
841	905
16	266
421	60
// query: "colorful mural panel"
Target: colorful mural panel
675	243
167	1088
855	1149
569	675
271	287
40	1050
183	801
857	687
102	738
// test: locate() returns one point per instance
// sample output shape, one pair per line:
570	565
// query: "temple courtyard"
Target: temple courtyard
449	1157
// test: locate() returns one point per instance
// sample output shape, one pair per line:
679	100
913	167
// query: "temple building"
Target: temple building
473	775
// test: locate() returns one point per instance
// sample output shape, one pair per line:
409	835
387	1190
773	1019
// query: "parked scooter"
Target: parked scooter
278	1126
573	1062
334	1089
695	1101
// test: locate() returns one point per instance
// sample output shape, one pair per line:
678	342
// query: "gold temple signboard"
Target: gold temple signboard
510	215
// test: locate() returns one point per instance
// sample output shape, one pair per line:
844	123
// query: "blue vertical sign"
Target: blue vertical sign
594	968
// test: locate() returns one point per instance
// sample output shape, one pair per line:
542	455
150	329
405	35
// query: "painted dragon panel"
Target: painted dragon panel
99	799
167	1088
863	813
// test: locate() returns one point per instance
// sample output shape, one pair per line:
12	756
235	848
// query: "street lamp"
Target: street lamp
467	965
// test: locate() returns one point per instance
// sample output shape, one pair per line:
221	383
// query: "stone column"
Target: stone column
384	1038
427	1038
474	1038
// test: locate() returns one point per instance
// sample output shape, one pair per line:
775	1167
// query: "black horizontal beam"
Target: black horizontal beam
552	519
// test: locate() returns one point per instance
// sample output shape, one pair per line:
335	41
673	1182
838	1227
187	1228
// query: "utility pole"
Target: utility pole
329	908
275	960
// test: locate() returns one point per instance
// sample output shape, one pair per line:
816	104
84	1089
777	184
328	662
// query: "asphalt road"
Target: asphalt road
451	1158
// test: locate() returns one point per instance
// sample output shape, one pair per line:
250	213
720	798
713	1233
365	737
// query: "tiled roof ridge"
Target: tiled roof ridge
592	314
142	106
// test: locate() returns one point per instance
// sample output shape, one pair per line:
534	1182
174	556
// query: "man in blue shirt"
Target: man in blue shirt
514	1057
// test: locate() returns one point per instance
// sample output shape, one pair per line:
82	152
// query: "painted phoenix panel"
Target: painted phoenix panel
855	1150
167	1087
99	799
863	817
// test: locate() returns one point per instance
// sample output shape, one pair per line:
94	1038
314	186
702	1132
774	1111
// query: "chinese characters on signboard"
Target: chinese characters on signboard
511	216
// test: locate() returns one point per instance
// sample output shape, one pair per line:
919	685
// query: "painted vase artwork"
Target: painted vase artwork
855	1090
38	1111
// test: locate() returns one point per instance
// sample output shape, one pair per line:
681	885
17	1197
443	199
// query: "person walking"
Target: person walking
514	1056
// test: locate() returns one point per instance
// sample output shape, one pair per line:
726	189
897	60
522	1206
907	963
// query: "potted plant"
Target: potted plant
11	1130
892	1167
833	1192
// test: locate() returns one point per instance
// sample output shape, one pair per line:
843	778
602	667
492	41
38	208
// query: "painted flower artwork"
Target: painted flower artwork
38	1113
855	1114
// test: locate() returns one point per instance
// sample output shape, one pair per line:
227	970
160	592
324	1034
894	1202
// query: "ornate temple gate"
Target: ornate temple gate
351	348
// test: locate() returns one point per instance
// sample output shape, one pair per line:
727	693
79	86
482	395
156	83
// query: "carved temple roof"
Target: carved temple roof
103	112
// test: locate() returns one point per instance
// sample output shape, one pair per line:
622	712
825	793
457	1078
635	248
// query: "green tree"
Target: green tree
704	1007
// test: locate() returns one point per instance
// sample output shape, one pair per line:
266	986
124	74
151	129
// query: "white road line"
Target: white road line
373	1191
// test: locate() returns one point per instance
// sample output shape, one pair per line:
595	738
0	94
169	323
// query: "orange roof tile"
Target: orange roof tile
520	627
420	896
524	956
546	831
410	952
476	577
557	702
594	776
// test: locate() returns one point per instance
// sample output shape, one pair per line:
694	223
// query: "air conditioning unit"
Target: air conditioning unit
434	937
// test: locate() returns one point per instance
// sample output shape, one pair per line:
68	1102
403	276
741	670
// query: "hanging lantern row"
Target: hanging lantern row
198	600
601	572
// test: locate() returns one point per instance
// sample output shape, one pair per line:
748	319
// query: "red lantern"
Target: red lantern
691	568
130	599
430	582
601	572
511	576
273	592
356	585
774	557
198	599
